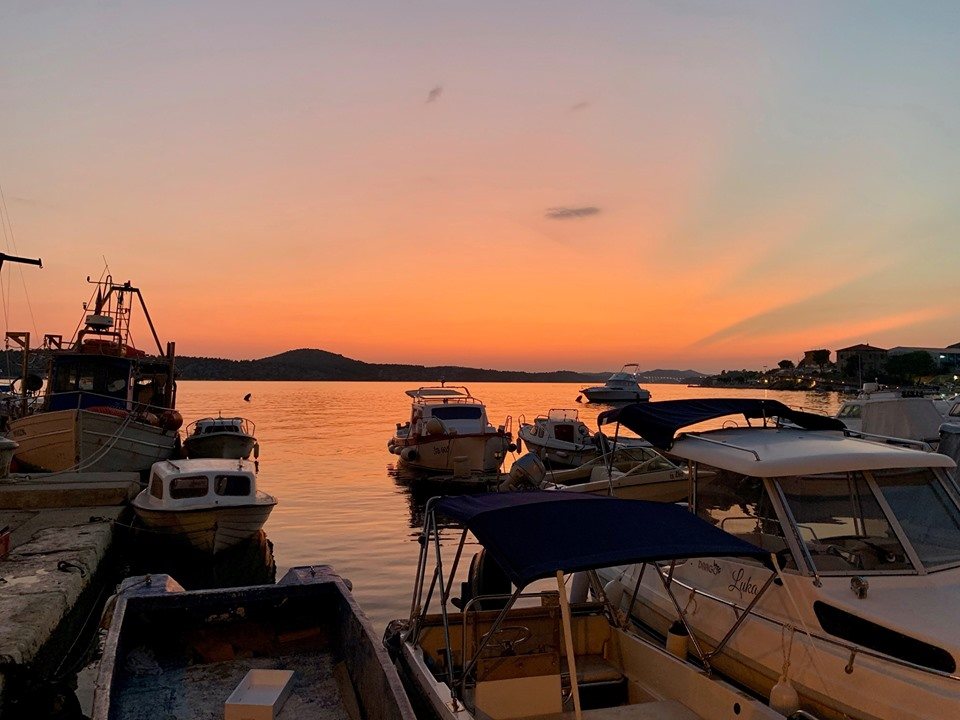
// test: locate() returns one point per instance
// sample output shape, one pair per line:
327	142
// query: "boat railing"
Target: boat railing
83	398
246	426
695	436
890	440
854	650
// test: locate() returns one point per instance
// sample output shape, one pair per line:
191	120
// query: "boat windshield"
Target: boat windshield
850	410
926	511
843	525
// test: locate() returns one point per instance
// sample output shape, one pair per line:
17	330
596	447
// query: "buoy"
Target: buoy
677	639
784	698
614	592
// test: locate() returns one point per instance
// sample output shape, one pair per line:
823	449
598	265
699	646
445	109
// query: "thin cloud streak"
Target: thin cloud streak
435	94
570	213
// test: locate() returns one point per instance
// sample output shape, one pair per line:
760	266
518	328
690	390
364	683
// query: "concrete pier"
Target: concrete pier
62	530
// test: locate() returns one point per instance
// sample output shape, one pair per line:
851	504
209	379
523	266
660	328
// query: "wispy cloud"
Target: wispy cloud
582	105
435	93
570	213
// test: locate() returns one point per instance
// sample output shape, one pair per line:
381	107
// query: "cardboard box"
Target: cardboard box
259	696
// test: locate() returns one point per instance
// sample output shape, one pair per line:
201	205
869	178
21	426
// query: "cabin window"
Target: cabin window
925	510
234	485
182	488
850	411
458	412
843	525
156	487
740	505
564	433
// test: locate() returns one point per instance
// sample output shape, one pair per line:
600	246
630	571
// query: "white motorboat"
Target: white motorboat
896	413
623	386
211	504
448	431
507	648
220	437
863	624
559	438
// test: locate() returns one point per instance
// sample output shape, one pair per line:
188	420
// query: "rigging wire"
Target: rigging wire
12	243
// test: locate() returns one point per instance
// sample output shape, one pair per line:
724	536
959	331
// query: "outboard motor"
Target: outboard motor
485	577
950	445
525	474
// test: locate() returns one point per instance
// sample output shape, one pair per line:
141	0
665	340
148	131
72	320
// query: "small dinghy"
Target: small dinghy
173	653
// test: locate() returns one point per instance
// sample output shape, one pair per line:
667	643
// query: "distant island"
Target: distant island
308	364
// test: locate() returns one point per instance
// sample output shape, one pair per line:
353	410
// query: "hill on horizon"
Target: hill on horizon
315	364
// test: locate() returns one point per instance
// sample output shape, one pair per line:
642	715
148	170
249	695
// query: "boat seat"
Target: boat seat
593	669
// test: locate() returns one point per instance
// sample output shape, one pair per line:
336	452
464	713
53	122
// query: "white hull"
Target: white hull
875	689
483	452
209	530
603	395
559	454
88	441
226	445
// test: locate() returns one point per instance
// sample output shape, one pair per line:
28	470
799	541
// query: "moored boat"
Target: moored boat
559	438
867	533
622	386
184	653
107	406
506	648
220	437
448	431
210	504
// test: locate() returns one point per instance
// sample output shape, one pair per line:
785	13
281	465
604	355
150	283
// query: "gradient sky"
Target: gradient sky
533	185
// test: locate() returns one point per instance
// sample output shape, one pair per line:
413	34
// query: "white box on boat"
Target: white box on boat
259	696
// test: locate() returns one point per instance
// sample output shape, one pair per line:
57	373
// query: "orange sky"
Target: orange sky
743	181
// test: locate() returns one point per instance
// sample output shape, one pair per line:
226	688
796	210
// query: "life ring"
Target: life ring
108	410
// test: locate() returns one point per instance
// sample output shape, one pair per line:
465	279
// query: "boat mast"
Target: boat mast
21	338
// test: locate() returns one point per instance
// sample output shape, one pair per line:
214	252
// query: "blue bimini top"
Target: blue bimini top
534	534
658	422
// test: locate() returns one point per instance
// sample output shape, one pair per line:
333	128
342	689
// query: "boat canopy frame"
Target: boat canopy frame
541	526
659	422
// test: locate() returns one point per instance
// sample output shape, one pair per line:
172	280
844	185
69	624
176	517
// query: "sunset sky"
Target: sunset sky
529	185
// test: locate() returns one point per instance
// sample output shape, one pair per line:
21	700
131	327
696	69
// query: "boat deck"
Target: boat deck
321	687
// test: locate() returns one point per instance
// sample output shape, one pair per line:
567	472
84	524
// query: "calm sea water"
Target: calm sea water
324	455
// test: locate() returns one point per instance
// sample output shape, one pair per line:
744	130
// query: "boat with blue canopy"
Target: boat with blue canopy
866	530
514	645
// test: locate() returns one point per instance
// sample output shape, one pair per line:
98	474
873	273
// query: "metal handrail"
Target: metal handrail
859	649
889	440
695	436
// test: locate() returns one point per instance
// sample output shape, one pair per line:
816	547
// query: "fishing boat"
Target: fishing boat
210	504
868	535
108	406
220	437
448	431
175	653
623	386
510	648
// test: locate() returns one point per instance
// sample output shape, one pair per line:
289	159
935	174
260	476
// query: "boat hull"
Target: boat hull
558	454
604	395
209	530
483	452
226	445
89	441
308	623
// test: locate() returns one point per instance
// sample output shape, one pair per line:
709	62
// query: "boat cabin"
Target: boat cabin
824	502
563	425
440	410
201	483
